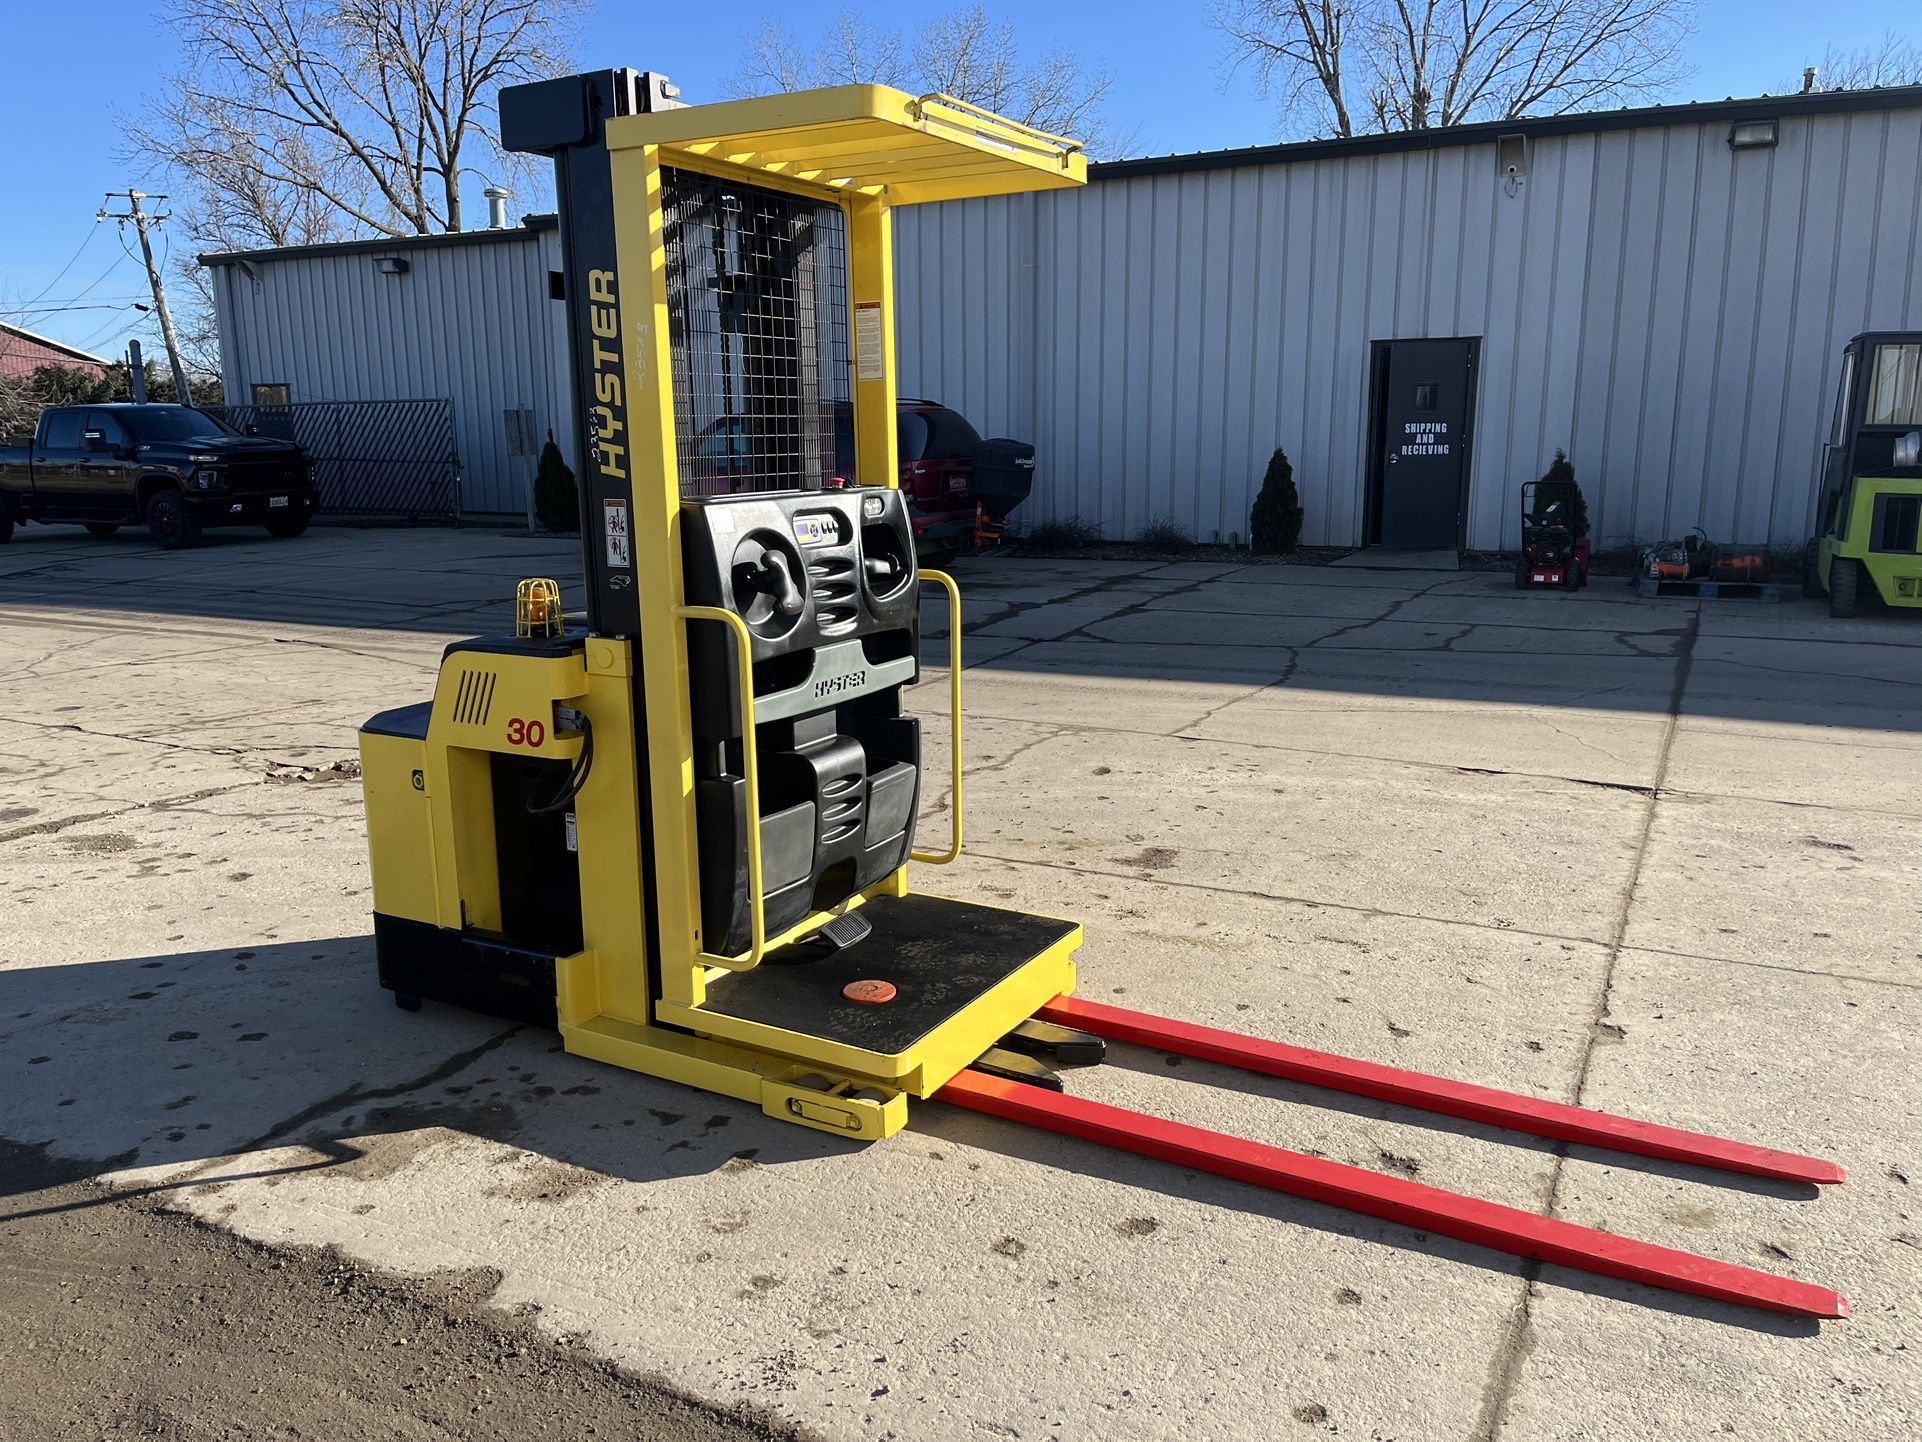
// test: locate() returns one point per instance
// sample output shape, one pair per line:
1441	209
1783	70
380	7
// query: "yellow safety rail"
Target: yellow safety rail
751	772
942	858
992	129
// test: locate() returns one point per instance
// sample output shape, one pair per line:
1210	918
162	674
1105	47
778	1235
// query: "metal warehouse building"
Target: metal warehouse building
461	319
1419	319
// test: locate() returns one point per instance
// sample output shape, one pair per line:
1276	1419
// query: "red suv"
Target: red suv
960	488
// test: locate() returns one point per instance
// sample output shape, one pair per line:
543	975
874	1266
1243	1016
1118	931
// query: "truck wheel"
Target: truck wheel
287	527
172	524
1845	580
102	528
6	524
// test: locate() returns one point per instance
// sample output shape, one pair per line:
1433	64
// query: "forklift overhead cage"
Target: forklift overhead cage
682	831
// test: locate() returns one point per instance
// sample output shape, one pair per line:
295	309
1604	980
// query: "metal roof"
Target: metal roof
1764	107
530	226
866	139
54	345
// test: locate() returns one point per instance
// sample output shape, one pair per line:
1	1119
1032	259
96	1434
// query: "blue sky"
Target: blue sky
61	136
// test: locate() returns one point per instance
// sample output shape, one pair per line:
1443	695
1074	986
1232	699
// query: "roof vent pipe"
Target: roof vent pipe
497	206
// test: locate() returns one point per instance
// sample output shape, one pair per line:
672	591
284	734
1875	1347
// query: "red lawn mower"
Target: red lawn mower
1554	536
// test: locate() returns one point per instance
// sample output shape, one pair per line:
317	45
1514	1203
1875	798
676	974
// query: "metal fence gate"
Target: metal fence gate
394	460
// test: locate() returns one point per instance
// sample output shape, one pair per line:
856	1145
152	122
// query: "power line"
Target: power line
88	289
113	329
69	265
105	303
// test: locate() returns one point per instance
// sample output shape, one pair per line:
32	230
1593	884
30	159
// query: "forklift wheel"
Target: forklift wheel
1845	580
406	1002
1521	576
1573	577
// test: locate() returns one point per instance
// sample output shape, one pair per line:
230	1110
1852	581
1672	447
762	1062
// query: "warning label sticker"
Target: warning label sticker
870	355
614	522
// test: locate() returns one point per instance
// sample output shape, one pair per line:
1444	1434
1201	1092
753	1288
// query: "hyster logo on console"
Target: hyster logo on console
835	685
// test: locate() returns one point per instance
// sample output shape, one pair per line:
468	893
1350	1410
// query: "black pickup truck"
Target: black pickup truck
173	468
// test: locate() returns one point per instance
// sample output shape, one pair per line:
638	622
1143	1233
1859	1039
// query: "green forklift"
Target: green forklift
1867	543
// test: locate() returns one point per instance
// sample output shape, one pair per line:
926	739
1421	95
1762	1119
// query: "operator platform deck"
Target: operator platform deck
941	956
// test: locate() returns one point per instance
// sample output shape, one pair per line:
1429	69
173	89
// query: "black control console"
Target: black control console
825	581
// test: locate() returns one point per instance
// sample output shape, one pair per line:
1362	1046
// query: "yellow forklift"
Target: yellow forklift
681	831
1868	534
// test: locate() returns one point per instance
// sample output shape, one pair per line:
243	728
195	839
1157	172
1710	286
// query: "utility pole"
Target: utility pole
141	220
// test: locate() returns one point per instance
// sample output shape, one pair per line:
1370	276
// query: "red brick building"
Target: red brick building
22	353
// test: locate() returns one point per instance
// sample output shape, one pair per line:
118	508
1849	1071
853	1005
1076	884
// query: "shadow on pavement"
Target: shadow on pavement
287	1059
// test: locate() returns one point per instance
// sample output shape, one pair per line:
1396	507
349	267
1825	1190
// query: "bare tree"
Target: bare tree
1892	61
306	120
1345	67
966	53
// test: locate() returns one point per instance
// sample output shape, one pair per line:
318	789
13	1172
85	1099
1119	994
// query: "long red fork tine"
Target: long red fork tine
1430	1209
1509	1110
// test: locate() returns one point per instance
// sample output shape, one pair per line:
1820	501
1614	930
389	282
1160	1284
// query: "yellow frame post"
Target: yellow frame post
871	296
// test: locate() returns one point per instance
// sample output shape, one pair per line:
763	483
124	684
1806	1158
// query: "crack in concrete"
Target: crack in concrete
1079	633
1837	676
1256	894
77	728
1387	615
353	1094
171	803
1287	674
1629	786
1518	1341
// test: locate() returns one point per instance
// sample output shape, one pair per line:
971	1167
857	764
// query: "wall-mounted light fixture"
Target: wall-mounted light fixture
1753	135
391	265
1511	162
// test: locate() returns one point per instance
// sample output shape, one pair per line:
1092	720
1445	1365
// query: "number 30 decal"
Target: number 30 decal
525	733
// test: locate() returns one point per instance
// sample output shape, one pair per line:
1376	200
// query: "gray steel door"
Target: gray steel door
1428	398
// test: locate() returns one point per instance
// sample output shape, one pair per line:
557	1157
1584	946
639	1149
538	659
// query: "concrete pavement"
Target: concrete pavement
1646	856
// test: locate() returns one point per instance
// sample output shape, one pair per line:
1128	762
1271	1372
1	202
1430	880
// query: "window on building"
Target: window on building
556	285
272	393
1895	387
1427	395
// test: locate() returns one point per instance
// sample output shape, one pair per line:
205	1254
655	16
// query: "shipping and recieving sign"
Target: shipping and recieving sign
1425	438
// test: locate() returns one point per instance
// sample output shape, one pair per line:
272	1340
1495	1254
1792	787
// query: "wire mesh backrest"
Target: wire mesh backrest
758	326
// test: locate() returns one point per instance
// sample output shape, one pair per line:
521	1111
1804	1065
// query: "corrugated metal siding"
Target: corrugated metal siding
469	322
1670	311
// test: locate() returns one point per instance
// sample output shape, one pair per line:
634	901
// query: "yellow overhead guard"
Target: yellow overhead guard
868	139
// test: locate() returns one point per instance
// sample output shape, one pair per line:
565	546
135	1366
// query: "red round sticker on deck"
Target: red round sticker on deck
872	993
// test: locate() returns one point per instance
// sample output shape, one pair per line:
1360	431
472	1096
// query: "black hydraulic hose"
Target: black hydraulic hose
577	778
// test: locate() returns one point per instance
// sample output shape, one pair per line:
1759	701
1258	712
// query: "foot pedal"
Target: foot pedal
1062	1045
842	932
1012	1066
